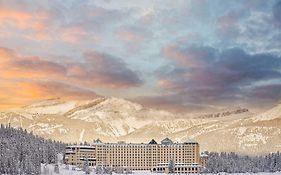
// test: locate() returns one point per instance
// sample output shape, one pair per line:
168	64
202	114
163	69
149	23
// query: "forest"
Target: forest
22	152
234	163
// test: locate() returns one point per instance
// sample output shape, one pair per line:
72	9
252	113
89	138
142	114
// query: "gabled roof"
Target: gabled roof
166	141
97	141
204	155
152	142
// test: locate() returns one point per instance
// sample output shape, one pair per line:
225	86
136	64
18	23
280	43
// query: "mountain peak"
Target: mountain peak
122	103
271	114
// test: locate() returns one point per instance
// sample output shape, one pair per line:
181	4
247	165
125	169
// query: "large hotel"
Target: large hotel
155	157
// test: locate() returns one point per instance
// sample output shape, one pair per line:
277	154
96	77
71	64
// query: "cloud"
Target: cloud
15	93
97	70
35	77
191	57
227	25
277	13
265	92
55	21
31	20
14	65
107	70
130	36
204	75
15	17
53	89
105	46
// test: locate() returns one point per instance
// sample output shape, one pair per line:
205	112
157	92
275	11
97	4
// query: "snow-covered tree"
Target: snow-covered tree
22	152
57	169
86	167
171	166
234	163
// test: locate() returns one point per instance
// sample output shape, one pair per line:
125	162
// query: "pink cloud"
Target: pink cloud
23	76
190	59
130	36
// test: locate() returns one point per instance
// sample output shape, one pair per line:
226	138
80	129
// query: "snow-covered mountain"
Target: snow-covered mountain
274	113
114	119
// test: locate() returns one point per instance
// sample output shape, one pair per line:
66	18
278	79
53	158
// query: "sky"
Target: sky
177	55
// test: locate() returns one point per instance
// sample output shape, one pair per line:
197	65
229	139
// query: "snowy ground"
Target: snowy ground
77	171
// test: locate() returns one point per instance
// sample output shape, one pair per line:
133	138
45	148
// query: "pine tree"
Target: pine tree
234	163
22	152
171	166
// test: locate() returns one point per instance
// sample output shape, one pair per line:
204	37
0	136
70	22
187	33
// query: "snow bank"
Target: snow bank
72	170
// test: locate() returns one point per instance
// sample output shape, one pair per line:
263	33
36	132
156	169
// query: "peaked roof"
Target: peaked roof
152	142
97	141
204	155
166	141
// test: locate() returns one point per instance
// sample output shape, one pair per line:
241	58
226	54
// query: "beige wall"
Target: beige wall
133	156
146	156
75	154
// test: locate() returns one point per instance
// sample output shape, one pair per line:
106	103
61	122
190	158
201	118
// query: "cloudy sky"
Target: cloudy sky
178	55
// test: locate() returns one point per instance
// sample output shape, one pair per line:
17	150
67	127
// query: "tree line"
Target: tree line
234	163
22	152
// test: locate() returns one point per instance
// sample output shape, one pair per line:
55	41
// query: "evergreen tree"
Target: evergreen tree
171	166
22	152
234	163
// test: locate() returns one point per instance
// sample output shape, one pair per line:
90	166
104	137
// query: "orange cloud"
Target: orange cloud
17	66
27	78
15	17
47	89
166	84
13	94
23	19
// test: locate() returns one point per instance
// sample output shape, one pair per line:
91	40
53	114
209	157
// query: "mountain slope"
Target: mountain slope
113	119
274	113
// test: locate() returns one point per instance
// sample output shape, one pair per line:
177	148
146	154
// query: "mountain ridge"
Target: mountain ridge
113	119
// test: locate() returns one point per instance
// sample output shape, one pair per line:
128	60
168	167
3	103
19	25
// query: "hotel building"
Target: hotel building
152	156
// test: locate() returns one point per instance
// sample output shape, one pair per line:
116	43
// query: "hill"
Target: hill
114	119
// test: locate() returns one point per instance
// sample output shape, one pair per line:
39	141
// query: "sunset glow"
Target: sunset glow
178	55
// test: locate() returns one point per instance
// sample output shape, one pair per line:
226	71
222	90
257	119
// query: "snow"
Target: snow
63	130
119	119
77	171
46	128
72	170
80	146
253	136
51	107
270	114
81	135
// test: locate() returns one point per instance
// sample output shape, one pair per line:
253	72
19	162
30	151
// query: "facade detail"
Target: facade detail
152	156
77	154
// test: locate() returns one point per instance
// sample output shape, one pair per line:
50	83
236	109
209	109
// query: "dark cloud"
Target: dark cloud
221	76
107	70
97	70
37	64
270	92
277	13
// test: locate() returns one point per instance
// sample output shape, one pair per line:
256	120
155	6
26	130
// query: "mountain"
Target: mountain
114	119
272	114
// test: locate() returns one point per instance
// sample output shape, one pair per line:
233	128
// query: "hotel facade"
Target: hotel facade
154	157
